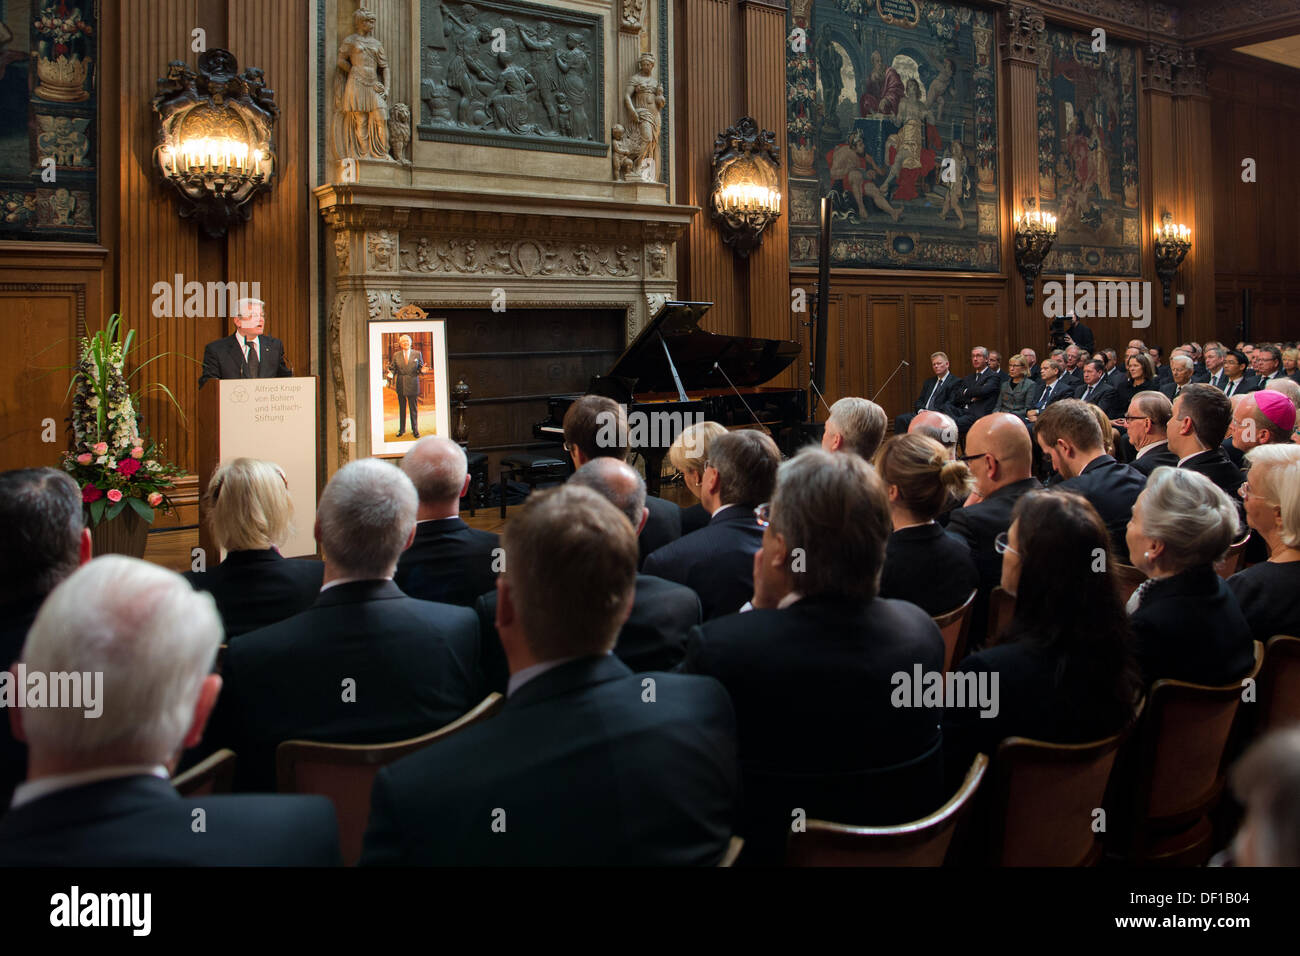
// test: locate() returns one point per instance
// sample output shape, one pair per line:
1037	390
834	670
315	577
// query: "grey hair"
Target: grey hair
1183	360
437	467
243	305
151	636
1287	387
980	348
834	508
1194	518
617	482
1267	781
862	423
365	517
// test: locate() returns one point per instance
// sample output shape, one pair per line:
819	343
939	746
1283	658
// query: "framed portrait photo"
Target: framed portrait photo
409	394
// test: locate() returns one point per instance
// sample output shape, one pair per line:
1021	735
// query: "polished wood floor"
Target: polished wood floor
172	548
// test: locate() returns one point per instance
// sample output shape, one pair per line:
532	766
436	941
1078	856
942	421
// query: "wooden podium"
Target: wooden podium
269	418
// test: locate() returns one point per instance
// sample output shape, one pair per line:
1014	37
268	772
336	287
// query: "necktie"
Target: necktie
1042	402
254	366
930	401
1087	392
1229	390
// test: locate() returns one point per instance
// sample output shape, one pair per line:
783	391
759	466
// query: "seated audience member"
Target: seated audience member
979	390
857	425
1141	377
654	636
1181	371
1261	417
717	562
365	663
939	393
587	764
40	511
1214	372
1108	432
596	427
1000	458
1291	364
248	510
923	563
1269	592
1031	362
1266	781
1063	678
810	668
1288	388
1186	623
1095	391
1070	435
98	791
1267	364
688	454
995	363
1115	372
1054	390
448	561
938	426
1019	392
1238	378
1073	373
1146	431
1197	426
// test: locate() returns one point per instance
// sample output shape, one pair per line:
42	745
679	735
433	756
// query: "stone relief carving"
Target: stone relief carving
493	77
361	93
382	246
636	147
380	302
336	372
342	250
633	15
523	258
656	259
399	132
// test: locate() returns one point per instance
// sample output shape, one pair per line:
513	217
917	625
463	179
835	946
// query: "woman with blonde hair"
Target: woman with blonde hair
1269	592
689	453
248	509
924	564
1107	429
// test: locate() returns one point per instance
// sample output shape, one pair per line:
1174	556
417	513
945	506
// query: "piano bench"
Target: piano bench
476	494
532	470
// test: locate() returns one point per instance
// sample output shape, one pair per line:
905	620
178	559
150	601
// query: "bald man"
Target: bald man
938	426
654	636
448	561
999	454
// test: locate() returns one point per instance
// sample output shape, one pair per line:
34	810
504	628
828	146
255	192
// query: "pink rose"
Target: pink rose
155	499
137	452
114	495
128	467
85	458
100	448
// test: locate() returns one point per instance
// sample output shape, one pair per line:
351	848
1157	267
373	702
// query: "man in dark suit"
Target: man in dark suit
980	390
587	764
816	660
246	353
1201	417
1095	391
98	791
1267	364
405	366
1000	456
1181	370
1072	374
1116	374
654	636
717	562
41	512
1054	389
448	561
596	427
938	393
995	363
1214	371
855	424
364	664
1070	435
1240	379
1147	419
1031	362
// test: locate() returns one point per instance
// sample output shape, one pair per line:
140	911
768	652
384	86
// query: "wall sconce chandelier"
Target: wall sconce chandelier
746	194
1035	233
1172	244
216	142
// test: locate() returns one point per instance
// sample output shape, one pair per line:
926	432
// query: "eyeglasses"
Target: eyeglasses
763	514
1001	545
973	457
1137	418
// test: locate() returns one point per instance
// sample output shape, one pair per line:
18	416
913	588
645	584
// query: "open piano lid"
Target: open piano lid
747	361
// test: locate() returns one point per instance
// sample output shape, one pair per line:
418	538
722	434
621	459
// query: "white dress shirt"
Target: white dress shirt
1155	444
243	345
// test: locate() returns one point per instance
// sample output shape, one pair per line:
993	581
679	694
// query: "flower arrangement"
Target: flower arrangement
60	23
113	464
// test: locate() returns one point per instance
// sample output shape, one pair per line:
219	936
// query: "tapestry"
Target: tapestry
892	115
48	119
1088	154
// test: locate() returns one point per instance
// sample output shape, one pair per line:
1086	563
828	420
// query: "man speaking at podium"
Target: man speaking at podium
247	353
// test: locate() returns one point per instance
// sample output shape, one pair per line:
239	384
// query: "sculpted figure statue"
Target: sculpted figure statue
360	94
645	101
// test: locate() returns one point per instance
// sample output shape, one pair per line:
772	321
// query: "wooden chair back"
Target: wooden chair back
1230	563
213	775
954	626
1002	608
1279	684
346	772
922	842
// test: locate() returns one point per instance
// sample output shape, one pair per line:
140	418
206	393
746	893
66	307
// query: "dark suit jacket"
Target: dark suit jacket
406	373
256	588
1111	487
1104	397
662	526
652	639
812	687
15	621
1248	383
1188	627
1061	389
945	400
578	769
1171	389
928	567
225	359
1073	378
1083	337
1126	390
979	394
716	562
1159	457
693	518
1115	376
1219	380
1165	374
1018	399
1200	375
1215	465
414	664
449	562
142	821
1269	596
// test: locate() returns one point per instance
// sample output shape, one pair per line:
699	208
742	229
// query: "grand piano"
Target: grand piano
674	366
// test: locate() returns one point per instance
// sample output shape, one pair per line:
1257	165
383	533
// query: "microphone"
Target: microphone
719	368
891	377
